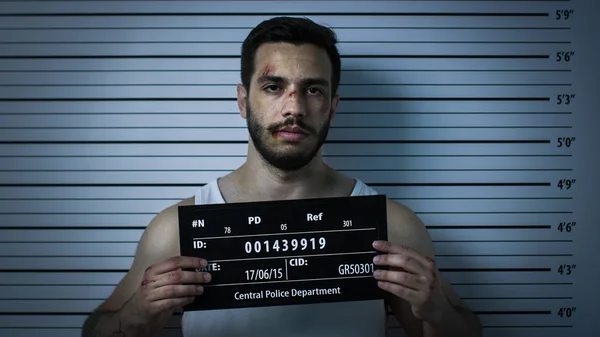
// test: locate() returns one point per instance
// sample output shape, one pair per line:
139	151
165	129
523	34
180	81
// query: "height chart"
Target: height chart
481	116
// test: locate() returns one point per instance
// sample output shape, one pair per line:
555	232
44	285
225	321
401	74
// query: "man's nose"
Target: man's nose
294	104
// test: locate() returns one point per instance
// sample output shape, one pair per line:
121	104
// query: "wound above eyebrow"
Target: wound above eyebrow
268	69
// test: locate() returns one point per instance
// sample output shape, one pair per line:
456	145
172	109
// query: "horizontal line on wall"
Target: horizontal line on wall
301	0
454	284
549	212
342	84
178	199
201	184
221	56
53	313
245	127
70	328
324	156
129	256
388	327
501	255
512	241
435	241
233	99
229	70
525	326
516	312
112	284
237	113
514	284
101	299
70	256
394	141
249	28
433	198
337	14
126	270
336	0
479	227
76	227
240	42
337	169
154	213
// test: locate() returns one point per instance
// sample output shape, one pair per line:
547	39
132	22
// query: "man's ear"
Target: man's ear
242	97
334	106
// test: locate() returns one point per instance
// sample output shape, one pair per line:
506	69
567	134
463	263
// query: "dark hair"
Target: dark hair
290	30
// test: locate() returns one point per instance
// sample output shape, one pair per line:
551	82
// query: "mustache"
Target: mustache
290	122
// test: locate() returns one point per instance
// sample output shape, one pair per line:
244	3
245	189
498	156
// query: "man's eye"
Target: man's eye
314	90
271	88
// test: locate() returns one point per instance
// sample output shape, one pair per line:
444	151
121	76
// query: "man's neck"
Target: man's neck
256	180
271	183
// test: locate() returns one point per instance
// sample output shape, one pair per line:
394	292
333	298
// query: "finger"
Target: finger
170	304
405	262
174	291
407	294
177	277
174	263
412	281
389	247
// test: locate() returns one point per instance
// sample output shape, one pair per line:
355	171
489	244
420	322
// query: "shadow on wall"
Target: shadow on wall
371	162
361	120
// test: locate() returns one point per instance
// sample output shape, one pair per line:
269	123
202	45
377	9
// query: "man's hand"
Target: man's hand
166	288
411	277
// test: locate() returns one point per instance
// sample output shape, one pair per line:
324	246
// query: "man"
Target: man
290	75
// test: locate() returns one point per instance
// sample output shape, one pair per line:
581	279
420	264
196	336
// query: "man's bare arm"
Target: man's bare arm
105	319
155	286
453	318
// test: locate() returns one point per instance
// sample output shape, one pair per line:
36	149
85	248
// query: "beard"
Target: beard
292	159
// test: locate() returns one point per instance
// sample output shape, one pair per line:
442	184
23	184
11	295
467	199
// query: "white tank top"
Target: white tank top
344	319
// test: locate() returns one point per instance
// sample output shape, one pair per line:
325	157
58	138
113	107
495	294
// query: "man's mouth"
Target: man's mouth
292	129
290	133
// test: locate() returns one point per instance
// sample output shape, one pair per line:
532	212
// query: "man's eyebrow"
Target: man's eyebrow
305	81
316	80
270	78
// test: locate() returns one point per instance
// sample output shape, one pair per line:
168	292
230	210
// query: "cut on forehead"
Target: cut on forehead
292	61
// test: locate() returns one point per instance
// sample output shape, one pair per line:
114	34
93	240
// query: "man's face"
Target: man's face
289	106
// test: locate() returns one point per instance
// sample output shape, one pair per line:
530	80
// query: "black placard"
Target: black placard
285	252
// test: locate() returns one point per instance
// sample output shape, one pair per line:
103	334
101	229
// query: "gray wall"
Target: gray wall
110	113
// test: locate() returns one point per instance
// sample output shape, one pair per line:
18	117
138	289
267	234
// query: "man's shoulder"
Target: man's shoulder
405	228
162	233
169	215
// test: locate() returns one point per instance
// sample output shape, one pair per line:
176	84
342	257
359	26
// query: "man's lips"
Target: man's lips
291	129
290	133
